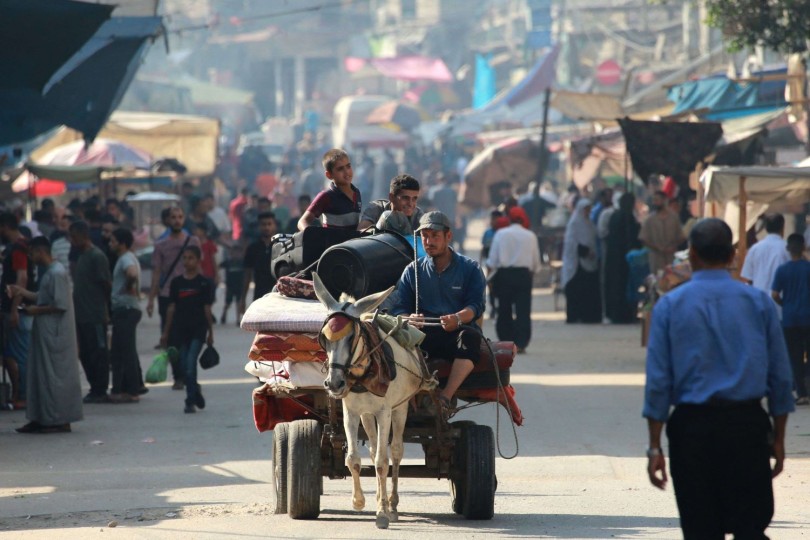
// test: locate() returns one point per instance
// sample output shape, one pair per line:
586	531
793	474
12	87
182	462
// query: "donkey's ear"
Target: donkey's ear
323	293
369	303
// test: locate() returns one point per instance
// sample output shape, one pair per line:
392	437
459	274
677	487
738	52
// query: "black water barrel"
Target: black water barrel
365	265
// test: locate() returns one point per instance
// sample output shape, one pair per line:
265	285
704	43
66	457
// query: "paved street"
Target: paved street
160	473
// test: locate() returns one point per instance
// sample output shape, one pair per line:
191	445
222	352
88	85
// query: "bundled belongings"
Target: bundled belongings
289	346
291	254
276	313
292	287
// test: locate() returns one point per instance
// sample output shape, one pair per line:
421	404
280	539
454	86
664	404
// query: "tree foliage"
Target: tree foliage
780	25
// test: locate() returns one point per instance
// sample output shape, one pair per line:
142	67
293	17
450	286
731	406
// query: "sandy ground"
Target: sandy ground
149	471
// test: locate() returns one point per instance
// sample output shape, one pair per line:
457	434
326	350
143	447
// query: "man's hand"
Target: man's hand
210	339
164	341
416	320
778	452
150	307
450	323
13	290
657	471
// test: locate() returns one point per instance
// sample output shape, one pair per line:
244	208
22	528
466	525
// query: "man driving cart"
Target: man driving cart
447	288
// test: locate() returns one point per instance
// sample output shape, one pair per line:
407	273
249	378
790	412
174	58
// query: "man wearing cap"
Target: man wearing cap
450	289
402	197
514	257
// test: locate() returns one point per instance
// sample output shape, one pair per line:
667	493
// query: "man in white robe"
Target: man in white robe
54	388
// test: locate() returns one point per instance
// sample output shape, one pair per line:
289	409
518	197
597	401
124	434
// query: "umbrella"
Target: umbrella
514	160
394	112
102	153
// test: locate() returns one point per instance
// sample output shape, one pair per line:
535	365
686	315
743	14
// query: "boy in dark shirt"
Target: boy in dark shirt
791	290
340	203
189	320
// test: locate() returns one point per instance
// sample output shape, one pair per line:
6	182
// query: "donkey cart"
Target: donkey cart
316	426
307	449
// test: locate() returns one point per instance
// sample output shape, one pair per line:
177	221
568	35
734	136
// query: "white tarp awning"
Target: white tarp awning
192	140
763	186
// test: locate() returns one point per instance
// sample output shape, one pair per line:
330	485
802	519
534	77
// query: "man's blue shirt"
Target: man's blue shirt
460	285
715	338
792	281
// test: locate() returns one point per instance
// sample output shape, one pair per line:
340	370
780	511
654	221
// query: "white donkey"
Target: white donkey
348	356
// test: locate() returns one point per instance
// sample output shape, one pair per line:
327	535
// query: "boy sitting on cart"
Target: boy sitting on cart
449	288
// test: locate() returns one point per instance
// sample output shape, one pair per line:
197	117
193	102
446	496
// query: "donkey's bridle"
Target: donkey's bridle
332	332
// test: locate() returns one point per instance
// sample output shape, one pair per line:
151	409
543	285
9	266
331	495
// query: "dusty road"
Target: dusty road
159	473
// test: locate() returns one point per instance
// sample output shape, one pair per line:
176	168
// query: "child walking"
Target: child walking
189	322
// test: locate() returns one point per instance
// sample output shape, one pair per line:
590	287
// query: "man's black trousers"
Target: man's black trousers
720	468
513	288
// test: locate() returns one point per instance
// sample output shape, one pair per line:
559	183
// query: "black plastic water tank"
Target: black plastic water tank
365	265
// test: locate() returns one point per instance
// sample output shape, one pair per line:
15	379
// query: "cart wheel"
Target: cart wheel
475	484
457	484
304	470
280	436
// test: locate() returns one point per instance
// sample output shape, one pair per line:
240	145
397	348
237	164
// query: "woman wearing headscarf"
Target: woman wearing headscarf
580	272
622	237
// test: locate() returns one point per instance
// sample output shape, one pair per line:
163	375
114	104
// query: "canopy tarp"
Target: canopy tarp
669	148
722	98
763	186
403	68
201	93
83	91
69	174
192	140
586	106
39	36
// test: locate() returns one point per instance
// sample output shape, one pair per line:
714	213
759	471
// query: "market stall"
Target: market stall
739	195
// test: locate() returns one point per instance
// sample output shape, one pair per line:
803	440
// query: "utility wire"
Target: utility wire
275	14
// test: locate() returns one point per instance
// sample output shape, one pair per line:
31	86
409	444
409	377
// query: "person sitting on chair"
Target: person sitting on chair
402	197
451	290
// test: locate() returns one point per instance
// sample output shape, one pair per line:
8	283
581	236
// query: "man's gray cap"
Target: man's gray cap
435	220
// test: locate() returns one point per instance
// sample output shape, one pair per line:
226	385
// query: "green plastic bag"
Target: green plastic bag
157	372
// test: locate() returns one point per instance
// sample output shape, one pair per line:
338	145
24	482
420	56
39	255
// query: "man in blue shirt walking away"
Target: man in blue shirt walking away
791	290
451	288
716	349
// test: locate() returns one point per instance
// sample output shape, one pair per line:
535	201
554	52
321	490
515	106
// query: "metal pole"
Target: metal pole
543	162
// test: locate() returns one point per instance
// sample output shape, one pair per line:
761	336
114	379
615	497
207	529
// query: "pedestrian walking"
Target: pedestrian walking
514	258
661	233
54	388
767	255
580	271
127	381
791	290
189	323
234	269
257	261
622	237
715	350
17	270
92	285
165	267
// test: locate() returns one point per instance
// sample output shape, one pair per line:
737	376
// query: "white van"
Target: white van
350	130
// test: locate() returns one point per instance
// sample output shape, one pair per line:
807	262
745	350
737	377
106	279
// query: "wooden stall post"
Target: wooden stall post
742	251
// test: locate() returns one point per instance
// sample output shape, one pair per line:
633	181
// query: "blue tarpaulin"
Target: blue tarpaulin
484	88
85	87
723	99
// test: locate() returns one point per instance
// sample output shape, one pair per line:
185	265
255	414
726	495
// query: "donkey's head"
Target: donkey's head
339	336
